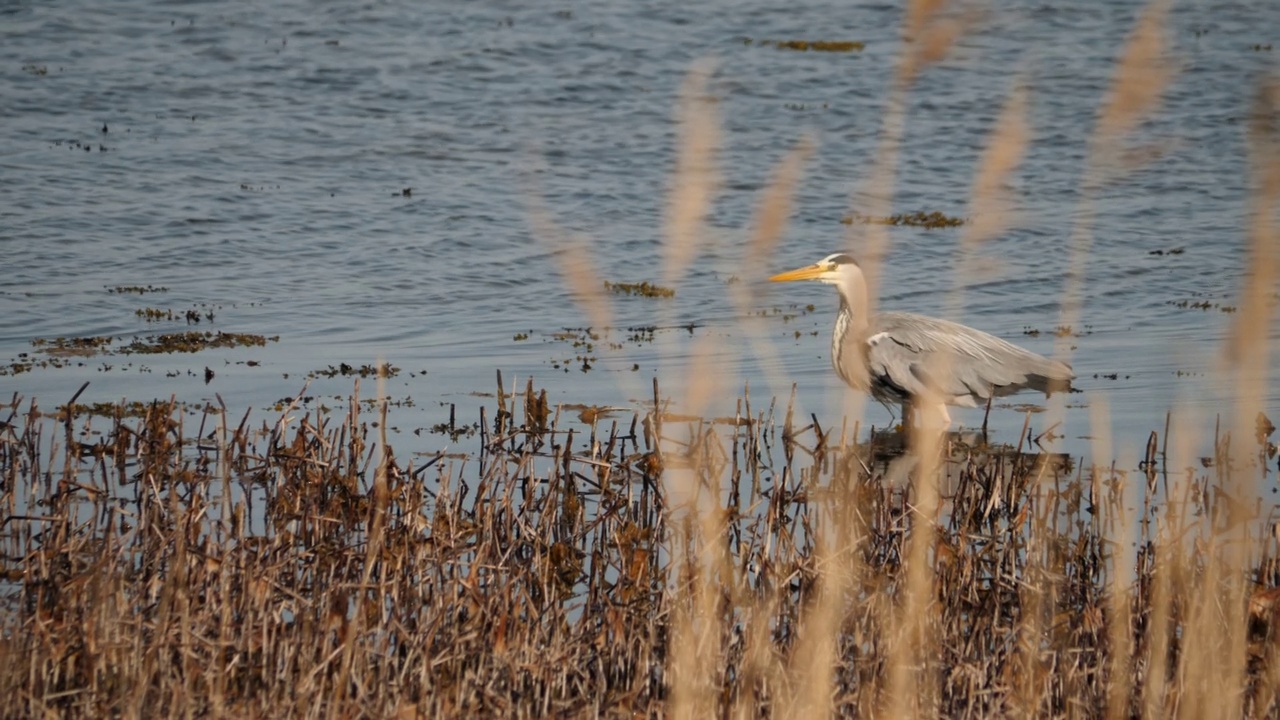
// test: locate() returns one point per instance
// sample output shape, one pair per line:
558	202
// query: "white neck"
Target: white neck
853	295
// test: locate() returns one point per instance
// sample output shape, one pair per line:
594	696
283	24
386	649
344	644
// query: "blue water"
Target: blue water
251	159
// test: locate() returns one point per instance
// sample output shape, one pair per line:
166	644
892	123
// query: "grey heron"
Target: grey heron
918	361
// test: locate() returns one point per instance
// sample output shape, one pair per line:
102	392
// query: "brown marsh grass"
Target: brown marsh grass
182	565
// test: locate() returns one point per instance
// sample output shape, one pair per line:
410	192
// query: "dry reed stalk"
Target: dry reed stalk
774	209
1248	353
1120	647
812	664
990	208
577	269
573	254
912	684
772	215
1141	76
520	582
696	178
1247	350
1214	673
1138	82
700	544
912	687
930	36
1156	701
816	658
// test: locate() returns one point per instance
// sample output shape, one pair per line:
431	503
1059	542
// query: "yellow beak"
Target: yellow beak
808	272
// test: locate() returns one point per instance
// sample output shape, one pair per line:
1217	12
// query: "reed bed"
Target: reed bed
196	565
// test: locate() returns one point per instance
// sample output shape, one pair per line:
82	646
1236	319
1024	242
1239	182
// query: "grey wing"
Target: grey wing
967	366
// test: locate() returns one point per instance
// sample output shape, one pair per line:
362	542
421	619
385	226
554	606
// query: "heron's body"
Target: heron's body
912	359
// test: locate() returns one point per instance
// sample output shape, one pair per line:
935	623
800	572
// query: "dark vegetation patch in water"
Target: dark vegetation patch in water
194	341
77	346
57	352
928	220
192	316
136	289
1060	331
640	289
830	46
1201	305
384	370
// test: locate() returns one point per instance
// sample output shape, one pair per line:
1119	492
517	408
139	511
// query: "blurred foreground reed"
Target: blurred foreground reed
186	565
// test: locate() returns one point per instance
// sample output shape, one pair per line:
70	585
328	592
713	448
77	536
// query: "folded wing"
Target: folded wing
913	354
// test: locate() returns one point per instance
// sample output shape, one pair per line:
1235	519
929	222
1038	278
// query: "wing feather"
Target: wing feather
916	353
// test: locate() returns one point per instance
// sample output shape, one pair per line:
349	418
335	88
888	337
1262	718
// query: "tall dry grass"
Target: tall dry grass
180	564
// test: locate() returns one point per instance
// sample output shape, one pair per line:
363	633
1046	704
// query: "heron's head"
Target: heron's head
838	269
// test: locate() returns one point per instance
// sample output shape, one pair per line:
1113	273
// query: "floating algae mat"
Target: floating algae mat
929	220
159	562
641	289
59	352
194	341
831	46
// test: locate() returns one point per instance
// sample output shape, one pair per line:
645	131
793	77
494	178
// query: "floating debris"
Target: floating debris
127	409
928	220
831	46
194	341
589	414
643	289
25	363
641	334
1263	427
455	432
192	316
1201	305
136	289
1108	376
1060	331
385	370
75	346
